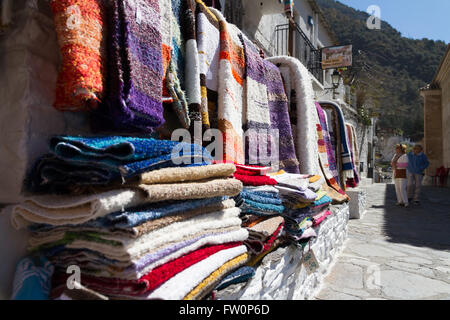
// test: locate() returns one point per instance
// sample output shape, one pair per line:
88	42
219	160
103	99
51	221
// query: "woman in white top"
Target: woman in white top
399	164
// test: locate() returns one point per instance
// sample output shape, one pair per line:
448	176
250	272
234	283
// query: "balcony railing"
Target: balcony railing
302	49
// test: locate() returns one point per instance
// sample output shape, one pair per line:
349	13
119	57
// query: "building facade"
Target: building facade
301	31
436	97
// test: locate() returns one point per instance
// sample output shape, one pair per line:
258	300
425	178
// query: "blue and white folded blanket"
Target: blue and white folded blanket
104	160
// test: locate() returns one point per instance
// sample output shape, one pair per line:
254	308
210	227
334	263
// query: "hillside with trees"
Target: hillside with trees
388	68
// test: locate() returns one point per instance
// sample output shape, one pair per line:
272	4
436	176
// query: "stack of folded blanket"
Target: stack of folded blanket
306	202
169	230
261	209
104	162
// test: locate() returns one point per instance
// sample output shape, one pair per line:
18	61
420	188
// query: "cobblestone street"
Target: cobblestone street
393	252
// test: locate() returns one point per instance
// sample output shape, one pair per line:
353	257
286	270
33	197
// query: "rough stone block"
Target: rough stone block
357	203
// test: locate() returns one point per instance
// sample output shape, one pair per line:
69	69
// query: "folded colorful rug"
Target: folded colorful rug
317	184
105	160
255	180
260	209
257	246
263	230
63	210
125	240
296	216
153	279
135	68
182	284
321	199
126	249
243	274
294	181
249	220
169	175
99	265
253	170
151	261
136	220
334	195
319	218
264	190
294	228
81	29
131	232
260	197
306	195
200	278
207	285
192	190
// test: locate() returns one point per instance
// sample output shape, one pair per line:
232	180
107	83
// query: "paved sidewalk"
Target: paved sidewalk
395	253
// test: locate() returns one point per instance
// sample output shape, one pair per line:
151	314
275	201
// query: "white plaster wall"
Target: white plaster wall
259	22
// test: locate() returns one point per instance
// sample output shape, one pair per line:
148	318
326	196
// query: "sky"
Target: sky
415	19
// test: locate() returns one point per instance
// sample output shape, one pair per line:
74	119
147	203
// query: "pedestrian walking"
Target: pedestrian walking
417	163
399	165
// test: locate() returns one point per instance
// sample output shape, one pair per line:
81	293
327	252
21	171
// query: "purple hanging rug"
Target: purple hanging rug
134	100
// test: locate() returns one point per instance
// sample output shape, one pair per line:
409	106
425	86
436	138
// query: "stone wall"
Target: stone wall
282	275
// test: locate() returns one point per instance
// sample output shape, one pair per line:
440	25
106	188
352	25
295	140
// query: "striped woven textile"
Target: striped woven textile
135	68
173	54
256	113
230	90
279	119
332	166
325	153
80	27
343	152
298	78
208	39
352	144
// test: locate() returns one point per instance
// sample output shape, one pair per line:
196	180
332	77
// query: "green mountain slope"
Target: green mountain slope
395	65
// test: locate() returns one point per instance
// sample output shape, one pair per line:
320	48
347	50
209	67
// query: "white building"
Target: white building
266	22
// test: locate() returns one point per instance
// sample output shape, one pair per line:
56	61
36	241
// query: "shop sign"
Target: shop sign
337	57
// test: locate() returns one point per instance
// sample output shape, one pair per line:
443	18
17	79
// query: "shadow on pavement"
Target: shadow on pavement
425	225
